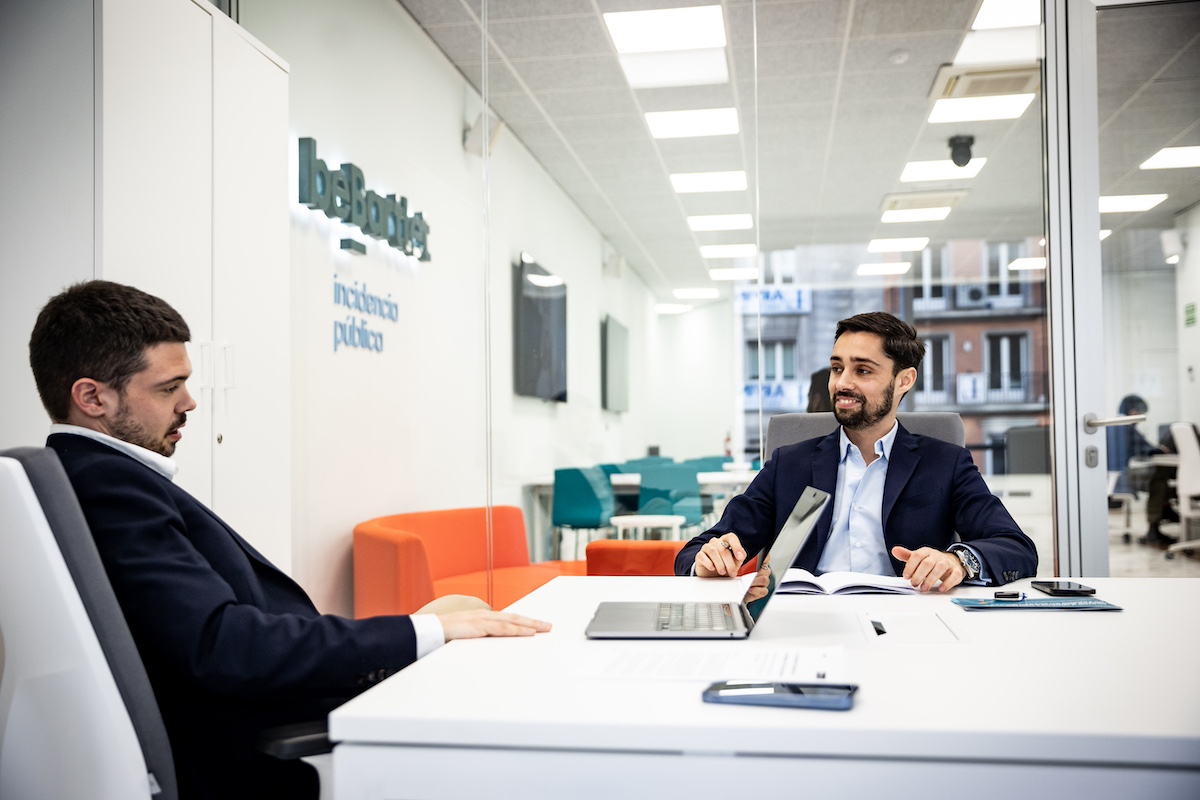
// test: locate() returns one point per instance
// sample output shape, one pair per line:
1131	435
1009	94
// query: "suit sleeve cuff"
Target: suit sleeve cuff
429	632
984	578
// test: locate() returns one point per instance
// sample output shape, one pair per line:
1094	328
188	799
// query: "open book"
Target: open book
801	581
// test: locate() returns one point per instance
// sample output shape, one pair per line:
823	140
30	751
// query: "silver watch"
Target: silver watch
969	562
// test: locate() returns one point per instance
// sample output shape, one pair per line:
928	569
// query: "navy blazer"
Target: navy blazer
232	645
933	489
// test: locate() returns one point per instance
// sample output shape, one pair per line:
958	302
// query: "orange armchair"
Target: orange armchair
403	561
638	557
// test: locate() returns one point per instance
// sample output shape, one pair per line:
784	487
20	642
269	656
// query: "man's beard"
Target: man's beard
125	428
865	415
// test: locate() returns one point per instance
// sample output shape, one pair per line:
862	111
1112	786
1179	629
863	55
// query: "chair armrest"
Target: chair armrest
297	740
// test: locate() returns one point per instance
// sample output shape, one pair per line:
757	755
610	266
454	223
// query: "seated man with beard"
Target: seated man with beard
898	499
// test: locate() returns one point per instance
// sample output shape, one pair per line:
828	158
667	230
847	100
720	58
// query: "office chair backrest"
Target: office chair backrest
77	715
583	498
1187	480
792	428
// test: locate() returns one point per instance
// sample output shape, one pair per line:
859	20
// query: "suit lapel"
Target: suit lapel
901	465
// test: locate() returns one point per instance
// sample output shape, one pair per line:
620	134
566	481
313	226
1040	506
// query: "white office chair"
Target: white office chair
1187	486
65	729
792	428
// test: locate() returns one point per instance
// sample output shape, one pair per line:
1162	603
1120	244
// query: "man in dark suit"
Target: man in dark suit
232	645
897	498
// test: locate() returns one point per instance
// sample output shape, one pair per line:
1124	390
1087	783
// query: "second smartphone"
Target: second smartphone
1063	588
834	696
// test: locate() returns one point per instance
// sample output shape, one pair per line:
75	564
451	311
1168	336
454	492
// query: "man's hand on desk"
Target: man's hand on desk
925	566
722	556
485	622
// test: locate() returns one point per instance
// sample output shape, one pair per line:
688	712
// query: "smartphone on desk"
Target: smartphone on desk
833	696
1063	588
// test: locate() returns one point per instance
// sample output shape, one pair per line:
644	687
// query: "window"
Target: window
779	361
1006	359
932	376
1002	282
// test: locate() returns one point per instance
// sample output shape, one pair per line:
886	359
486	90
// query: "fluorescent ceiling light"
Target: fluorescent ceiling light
734	274
897	245
1173	158
1021	264
1117	203
666	29
694	122
709	293
974	109
689	182
884	268
728	250
943	170
526	258
679	68
545	281
721	222
1173	259
915	214
1001	46
672	308
1104	235
1008	14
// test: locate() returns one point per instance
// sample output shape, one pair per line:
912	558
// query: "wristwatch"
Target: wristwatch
969	562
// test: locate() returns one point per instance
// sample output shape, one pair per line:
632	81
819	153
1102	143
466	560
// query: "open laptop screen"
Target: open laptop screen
780	553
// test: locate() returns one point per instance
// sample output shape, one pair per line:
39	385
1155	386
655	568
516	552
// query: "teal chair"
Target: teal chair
636	464
670	489
583	506
708	463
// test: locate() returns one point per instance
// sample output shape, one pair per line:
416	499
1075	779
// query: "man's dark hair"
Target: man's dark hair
99	330
900	340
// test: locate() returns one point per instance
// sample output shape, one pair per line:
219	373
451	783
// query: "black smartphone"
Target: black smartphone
1063	588
833	696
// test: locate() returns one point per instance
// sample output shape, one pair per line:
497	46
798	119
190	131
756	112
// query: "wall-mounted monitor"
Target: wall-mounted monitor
614	365
539	332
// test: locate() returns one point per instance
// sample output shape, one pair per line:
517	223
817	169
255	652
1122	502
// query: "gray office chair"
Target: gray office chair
792	428
73	684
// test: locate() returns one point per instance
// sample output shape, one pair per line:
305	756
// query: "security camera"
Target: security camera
960	150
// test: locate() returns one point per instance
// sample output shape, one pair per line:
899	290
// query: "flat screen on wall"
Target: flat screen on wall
539	332
614	365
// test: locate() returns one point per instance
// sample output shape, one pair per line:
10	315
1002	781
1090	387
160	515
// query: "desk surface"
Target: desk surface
1082	689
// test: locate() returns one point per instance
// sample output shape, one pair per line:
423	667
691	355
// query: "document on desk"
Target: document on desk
797	664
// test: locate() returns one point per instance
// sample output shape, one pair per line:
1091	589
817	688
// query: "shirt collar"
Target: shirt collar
155	461
883	446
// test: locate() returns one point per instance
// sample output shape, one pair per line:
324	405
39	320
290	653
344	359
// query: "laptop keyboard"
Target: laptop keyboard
695	617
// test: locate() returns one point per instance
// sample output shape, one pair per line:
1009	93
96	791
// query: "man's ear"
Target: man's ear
906	380
89	398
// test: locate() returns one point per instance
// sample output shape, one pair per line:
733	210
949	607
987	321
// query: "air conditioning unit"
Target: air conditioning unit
971	295
977	80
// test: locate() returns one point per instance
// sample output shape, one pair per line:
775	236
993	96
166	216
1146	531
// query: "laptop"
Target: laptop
706	620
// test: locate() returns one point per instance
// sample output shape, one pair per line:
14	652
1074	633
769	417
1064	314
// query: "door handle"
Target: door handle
1091	423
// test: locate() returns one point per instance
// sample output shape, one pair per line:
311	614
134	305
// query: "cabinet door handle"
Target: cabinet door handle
204	375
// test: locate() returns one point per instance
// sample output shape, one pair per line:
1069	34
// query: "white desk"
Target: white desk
1052	704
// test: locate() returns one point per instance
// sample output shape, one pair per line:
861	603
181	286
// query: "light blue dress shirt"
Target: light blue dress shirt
856	535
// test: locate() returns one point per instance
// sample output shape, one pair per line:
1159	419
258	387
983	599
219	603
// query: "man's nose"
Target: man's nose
188	402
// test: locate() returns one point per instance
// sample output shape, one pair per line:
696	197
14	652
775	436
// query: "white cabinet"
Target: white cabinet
165	163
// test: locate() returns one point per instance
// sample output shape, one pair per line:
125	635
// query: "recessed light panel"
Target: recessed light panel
943	170
734	274
691	182
1173	158
1105	234
885	268
728	250
974	109
1117	203
915	214
666	29
897	245
1022	264
1008	14
721	222
694	122
1001	46
677	68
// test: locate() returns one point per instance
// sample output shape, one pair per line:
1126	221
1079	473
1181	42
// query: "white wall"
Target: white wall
405	429
1187	282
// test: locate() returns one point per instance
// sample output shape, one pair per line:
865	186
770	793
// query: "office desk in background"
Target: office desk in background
540	499
1040	703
